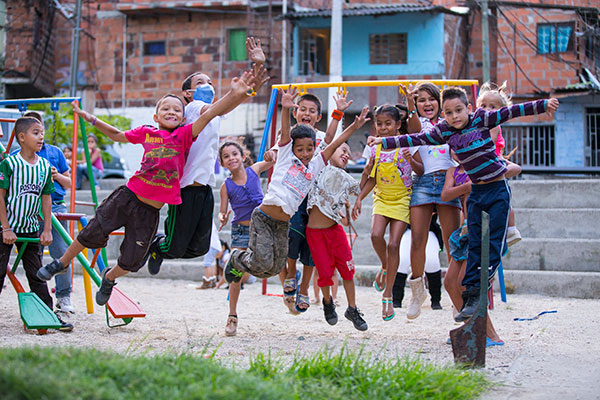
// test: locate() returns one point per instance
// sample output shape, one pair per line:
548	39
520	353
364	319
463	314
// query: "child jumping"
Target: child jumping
469	136
390	173
293	175
25	187
243	191
326	237
137	204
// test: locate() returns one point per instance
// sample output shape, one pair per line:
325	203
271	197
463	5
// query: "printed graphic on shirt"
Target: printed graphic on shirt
350	265
162	152
403	166
298	179
436	151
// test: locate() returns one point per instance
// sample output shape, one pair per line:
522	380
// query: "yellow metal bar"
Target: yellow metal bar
87	282
302	86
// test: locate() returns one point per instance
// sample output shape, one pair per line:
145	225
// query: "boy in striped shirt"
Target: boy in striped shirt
25	187
469	136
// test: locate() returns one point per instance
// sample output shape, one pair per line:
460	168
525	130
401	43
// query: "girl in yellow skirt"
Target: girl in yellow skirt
389	172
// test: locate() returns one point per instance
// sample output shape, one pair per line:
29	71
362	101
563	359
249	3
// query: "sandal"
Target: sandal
382	273
302	300
289	287
387	303
290	303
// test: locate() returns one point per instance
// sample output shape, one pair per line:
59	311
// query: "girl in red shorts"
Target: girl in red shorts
327	202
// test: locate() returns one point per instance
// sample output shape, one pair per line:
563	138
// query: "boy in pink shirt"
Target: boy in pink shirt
137	204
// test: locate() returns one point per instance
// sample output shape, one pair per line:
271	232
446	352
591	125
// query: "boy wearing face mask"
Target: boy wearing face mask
188	225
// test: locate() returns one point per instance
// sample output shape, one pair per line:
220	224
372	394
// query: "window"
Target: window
592	139
313	49
388	49
154	48
555	38
237	45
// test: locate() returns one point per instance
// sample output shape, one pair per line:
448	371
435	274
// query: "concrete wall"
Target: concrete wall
570	130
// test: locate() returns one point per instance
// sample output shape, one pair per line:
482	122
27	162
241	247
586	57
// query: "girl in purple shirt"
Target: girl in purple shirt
242	189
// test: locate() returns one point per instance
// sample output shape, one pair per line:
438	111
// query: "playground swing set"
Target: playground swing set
33	311
36	315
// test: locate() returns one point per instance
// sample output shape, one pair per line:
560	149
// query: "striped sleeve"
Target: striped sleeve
431	136
49	183
5	174
492	119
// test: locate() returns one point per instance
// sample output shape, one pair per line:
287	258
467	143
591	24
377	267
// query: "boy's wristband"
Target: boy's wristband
411	113
337	115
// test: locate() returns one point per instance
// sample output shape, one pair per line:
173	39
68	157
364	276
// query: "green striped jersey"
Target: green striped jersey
25	184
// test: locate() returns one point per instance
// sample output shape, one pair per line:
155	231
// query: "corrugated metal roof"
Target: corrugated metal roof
351	10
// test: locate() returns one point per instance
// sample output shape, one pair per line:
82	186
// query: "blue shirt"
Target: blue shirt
57	159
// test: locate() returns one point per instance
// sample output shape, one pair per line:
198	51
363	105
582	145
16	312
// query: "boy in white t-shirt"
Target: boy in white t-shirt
293	175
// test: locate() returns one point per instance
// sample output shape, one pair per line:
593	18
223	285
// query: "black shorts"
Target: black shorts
298	248
123	209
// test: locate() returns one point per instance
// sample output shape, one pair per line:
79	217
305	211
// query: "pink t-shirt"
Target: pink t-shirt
162	164
98	163
500	143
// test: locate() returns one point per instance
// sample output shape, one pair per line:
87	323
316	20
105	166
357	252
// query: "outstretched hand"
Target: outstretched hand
374	141
288	96
552	106
242	84
362	119
341	101
256	52
409	93
260	76
79	111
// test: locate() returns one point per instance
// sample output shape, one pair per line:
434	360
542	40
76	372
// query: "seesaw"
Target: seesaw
35	314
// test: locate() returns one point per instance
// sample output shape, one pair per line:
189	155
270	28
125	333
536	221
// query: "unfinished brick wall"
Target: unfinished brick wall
30	44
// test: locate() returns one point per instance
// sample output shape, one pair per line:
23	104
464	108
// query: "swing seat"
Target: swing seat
35	314
121	306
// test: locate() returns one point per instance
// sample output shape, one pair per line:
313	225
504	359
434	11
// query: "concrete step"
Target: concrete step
563	193
572	223
546	254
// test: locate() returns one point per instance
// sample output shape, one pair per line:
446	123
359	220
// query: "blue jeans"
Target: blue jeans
82	171
57	248
493	198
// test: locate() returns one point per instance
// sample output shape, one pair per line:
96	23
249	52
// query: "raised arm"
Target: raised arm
287	103
109	130
240	91
341	104
414	123
261	166
490	119
357	124
431	137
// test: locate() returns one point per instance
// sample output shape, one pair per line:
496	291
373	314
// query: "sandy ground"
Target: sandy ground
554	356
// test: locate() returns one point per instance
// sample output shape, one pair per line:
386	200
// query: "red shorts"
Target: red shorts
330	251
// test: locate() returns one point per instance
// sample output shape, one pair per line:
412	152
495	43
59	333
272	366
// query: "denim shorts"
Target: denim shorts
427	189
458	244
240	236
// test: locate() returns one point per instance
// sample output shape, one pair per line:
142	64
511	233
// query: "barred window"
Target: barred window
555	38
390	48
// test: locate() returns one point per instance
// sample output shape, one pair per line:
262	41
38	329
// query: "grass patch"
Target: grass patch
74	373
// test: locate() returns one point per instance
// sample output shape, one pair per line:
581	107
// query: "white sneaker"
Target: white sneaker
64	304
512	235
417	299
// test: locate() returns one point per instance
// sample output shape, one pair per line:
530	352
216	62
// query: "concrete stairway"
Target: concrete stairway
559	254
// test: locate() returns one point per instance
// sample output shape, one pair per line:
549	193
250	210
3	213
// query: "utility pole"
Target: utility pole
284	42
335	57
75	51
485	39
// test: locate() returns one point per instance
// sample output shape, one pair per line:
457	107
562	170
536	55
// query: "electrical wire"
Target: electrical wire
51	11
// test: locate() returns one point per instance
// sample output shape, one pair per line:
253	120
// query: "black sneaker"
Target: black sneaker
232	274
49	270
470	301
154	258
435	305
330	314
353	314
397	304
103	294
64	326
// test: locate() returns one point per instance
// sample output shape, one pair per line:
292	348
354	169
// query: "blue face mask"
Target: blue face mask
205	93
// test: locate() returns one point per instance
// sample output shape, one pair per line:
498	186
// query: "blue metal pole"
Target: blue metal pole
265	137
23	103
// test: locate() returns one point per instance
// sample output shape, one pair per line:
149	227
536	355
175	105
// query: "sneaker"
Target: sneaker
232	274
49	270
470	302
231	327
353	314
208	283
154	258
435	305
64	304
64	326
103	294
330	314
512	235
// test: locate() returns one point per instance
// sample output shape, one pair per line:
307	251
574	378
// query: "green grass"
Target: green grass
75	373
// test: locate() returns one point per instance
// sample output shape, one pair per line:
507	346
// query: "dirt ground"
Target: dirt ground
550	357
